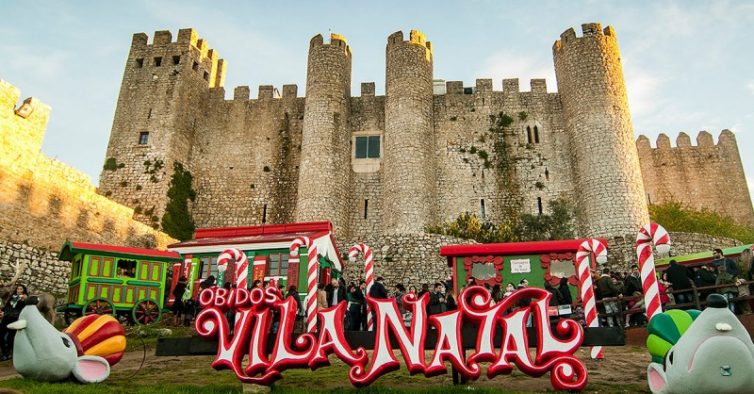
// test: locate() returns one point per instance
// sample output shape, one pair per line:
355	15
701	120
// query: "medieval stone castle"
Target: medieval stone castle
420	155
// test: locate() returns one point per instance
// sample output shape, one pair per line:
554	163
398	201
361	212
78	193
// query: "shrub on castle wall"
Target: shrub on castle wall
177	220
527	227
675	216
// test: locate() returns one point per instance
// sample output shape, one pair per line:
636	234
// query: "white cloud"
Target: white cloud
750	87
503	65
643	91
44	63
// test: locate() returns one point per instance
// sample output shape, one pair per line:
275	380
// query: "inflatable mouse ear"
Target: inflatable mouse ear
91	369
656	377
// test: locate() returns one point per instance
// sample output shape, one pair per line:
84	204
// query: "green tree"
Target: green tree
675	216
177	220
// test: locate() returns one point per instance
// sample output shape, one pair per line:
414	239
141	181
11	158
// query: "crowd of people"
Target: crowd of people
679	285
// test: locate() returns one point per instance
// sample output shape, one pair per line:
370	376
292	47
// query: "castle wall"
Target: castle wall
471	168
45	202
408	171
367	118
596	116
164	85
702	176
324	175
246	159
278	159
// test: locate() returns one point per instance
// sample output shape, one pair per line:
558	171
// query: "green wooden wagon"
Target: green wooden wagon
113	280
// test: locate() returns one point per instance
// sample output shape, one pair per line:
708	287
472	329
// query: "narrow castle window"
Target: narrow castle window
536	135
482	211
140	63
264	214
539	205
366	208
528	134
143	138
206	76
157	61
149	115
195	66
368	147
547	174
649	199
176	59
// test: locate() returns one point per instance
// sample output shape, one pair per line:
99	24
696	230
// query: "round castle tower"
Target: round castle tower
606	167
409	176
325	169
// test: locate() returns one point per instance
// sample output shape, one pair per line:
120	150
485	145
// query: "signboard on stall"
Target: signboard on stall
520	266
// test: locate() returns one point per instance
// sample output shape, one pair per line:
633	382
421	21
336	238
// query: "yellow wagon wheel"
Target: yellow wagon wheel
98	306
146	312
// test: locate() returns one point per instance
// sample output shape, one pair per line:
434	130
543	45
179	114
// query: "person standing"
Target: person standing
11	311
321	297
679	278
335	293
378	289
608	291
725	278
178	305
436	301
720	259
355	302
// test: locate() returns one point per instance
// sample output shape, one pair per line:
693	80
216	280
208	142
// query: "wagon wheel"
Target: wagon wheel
99	306
146	312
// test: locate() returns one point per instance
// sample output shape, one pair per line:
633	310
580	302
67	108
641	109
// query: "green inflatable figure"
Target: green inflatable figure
700	352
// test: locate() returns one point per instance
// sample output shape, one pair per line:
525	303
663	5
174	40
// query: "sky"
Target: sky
687	64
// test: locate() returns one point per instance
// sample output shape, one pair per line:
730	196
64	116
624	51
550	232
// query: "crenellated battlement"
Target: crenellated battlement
186	38
266	92
416	37
485	86
588	30
703	140
164	51
336	41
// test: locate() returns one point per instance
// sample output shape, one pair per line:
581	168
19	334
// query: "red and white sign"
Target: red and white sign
310	350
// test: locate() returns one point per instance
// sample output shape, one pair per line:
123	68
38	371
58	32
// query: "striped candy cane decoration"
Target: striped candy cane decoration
242	265
365	251
313	268
650	234
586	251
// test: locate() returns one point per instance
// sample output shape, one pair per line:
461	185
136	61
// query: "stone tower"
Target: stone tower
323	185
164	84
409	177
607	176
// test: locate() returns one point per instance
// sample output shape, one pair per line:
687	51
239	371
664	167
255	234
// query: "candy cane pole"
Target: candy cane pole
650	234
241	263
366	251
585	252
313	268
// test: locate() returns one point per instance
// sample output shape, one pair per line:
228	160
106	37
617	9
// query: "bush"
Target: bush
177	220
675	216
110	164
526	227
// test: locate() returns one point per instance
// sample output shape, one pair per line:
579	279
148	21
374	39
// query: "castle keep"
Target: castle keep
419	155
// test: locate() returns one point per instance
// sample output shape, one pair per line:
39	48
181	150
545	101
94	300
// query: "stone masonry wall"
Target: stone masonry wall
165	82
45	202
410	259
43	273
596	115
438	153
701	176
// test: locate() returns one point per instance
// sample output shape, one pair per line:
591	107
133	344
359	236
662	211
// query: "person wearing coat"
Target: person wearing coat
436	300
